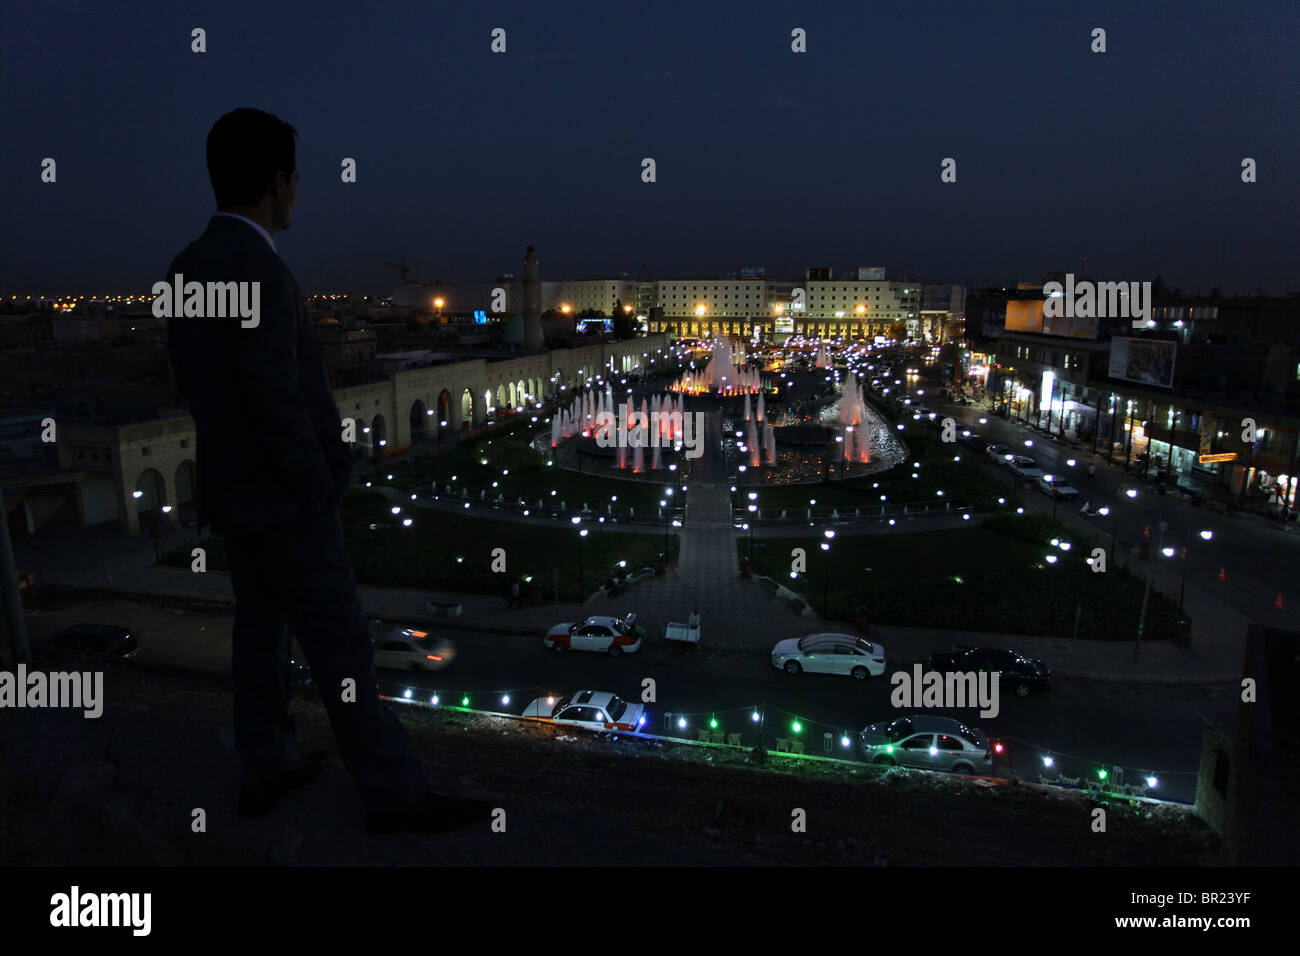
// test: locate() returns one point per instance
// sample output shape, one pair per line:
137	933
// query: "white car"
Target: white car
593	709
830	654
1025	467
406	650
606	635
1057	487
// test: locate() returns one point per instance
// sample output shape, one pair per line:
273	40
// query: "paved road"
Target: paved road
1258	557
1151	728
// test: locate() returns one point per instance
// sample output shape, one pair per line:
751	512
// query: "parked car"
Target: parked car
999	453
595	710
1025	467
1021	673
974	442
98	639
404	649
830	654
610	635
925	742
1057	487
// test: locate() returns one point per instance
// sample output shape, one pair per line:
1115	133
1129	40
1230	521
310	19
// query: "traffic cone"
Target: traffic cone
1277	603
1146	531
1223	574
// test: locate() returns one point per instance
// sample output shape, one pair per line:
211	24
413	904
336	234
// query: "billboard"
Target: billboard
1024	315
870	273
1146	361
1073	326
1027	315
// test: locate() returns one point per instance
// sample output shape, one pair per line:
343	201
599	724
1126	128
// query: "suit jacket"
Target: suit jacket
269	437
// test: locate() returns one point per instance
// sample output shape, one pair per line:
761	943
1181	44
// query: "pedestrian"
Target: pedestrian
694	620
1092	470
272	469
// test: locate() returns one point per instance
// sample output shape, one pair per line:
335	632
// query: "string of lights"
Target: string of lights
1087	768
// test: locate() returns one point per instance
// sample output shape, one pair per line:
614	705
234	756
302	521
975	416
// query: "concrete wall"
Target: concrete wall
98	501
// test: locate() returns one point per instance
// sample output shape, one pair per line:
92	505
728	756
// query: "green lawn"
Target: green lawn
987	578
448	552
514	470
962	482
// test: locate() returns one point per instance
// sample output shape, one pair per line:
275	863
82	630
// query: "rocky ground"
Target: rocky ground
124	790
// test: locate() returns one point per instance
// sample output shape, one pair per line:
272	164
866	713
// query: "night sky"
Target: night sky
765	157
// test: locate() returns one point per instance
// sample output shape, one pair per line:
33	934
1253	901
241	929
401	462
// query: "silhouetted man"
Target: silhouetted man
272	470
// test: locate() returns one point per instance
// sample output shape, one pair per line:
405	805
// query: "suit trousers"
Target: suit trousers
297	577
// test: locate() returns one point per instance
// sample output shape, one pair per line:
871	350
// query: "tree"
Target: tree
624	322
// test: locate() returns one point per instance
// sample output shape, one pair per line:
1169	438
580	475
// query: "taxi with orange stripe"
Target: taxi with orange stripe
605	635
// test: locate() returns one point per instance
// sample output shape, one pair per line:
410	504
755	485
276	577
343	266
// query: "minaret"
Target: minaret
532	304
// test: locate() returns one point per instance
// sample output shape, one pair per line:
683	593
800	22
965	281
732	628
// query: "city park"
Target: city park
818	452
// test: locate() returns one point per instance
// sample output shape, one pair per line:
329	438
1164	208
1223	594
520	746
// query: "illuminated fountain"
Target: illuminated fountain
721	375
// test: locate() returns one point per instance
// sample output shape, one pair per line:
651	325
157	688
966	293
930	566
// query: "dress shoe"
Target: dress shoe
435	813
257	799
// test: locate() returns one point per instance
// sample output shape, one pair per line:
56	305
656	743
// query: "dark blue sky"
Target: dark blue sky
765	157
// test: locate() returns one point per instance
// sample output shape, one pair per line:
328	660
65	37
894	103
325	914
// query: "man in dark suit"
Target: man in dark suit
272	470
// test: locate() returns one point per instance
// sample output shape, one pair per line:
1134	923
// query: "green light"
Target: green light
889	748
464	701
797	727
1101	774
713	722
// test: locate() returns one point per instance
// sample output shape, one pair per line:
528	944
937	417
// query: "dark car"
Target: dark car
1017	671
973	442
98	639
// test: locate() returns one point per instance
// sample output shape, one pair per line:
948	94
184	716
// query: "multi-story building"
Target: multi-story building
347	353
820	305
1168	397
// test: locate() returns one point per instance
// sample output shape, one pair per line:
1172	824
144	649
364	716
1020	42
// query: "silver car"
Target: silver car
924	742
830	654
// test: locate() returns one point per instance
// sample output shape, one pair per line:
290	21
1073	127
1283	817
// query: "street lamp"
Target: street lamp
826	571
753	514
1206	535
582	576
663	510
406	523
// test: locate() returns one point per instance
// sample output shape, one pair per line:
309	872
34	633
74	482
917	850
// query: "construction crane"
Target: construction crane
401	267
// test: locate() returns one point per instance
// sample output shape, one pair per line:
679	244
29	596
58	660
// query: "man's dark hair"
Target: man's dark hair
246	148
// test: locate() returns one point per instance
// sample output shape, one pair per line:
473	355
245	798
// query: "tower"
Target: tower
532	304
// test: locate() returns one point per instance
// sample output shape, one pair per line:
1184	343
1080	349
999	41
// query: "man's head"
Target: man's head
252	166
